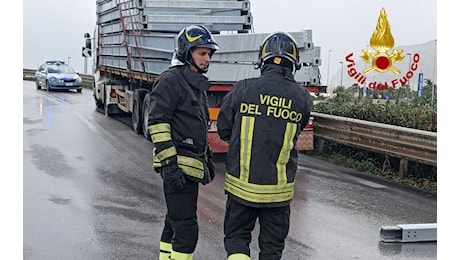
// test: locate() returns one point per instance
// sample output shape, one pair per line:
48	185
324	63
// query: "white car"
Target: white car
56	75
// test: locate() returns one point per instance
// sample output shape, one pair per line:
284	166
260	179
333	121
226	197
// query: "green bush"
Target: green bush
417	113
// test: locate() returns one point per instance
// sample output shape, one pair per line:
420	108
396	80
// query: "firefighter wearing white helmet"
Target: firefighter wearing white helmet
178	125
261	119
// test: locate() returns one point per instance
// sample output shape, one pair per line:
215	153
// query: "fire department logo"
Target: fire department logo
382	41
381	59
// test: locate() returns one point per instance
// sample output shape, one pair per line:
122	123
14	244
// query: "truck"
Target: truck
134	41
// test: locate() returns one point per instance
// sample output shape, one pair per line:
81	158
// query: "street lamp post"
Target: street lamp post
434	72
410	59
328	63
341	74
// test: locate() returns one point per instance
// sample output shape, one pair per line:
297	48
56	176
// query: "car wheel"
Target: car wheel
79	90
38	85
48	86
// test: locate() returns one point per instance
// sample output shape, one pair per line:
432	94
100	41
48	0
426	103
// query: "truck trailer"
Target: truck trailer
134	41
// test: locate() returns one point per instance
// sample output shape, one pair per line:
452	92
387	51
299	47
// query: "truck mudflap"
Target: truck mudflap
305	140
217	144
409	233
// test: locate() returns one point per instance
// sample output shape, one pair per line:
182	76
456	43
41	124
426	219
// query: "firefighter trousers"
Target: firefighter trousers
180	233
240	222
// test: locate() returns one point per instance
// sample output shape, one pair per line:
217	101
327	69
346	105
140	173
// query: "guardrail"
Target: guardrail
30	73
400	142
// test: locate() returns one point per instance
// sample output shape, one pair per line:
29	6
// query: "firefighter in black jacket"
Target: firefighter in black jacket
261	119
178	125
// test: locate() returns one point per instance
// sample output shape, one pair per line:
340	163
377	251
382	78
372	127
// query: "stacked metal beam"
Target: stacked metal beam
139	35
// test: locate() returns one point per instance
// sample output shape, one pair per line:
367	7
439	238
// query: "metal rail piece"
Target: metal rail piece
409	233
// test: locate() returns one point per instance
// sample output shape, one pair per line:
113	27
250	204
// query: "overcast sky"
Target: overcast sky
54	29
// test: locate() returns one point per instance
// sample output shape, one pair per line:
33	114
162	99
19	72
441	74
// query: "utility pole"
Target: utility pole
341	74
328	63
434	72
410	60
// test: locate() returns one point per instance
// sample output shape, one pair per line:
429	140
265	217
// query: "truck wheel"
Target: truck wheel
137	114
146	110
99	103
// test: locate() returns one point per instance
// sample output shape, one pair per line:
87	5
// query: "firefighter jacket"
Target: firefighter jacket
178	122
261	119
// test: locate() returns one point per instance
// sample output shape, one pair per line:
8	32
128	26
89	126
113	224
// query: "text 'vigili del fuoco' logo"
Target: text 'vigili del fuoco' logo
382	60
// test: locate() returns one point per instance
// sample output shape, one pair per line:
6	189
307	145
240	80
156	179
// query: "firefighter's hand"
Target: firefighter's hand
212	168
173	176
210	164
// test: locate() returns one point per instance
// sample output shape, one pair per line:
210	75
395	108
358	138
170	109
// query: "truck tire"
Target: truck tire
146	109
99	103
137	114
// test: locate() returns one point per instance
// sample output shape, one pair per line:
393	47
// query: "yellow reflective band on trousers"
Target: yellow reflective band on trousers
246	135
189	165
238	256
165	251
258	193
181	256
285	153
160	132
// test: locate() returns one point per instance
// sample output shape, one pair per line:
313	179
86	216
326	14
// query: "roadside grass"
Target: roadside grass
419	175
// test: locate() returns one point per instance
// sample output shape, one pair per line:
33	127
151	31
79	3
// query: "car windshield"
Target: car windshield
60	69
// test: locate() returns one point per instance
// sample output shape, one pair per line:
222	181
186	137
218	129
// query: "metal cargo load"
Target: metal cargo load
139	36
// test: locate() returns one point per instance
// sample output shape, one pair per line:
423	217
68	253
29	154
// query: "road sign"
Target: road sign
85	52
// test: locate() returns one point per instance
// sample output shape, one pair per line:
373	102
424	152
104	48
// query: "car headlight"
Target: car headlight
78	80
53	79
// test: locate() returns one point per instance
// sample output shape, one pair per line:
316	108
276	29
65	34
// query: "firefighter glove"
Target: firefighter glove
212	168
173	176
210	164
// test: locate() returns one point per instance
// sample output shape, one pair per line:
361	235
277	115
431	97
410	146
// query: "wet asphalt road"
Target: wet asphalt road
91	194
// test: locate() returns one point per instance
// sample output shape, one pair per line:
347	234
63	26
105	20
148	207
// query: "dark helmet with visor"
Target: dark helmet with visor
279	44
191	37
